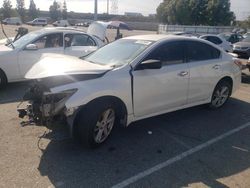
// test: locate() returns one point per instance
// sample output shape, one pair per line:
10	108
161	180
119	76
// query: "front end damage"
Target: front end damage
45	107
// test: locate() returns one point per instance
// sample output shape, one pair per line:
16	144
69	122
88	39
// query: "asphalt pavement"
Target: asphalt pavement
195	147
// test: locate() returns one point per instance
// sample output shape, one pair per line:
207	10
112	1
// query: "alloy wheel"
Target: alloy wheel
220	96
104	125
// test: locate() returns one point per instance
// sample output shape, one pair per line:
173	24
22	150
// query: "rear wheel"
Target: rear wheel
95	123
221	94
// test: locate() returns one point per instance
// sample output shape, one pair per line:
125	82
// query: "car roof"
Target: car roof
161	37
58	29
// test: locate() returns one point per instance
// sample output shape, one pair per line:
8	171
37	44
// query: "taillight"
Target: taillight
238	63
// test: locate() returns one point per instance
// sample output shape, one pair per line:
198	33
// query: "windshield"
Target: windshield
119	52
25	40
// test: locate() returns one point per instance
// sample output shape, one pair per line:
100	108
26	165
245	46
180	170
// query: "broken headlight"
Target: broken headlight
54	103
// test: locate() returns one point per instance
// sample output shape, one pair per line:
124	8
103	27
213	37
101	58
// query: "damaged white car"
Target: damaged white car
128	80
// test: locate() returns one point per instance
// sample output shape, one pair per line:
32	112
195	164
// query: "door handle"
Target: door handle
183	73
216	67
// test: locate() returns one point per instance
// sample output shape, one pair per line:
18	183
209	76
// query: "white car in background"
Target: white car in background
61	23
128	80
17	58
221	42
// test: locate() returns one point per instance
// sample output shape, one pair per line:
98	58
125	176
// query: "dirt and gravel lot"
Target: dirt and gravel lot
194	147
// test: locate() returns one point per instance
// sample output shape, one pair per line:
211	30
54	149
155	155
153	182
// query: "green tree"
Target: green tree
20	8
196	12
55	12
33	11
64	11
174	12
6	10
219	12
199	12
166	12
182	12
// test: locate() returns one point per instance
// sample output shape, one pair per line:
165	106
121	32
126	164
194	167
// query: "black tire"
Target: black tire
221	94
87	120
3	79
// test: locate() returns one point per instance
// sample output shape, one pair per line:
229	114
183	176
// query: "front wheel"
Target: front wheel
3	79
220	95
95	124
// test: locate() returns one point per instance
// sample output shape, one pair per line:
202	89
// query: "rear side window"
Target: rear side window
78	40
198	51
214	40
169	53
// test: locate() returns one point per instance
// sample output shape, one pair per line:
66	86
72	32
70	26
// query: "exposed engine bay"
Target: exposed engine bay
44	106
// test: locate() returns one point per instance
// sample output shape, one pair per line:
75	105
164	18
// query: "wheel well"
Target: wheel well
2	72
120	106
228	80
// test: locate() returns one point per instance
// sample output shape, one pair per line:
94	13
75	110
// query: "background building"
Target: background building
133	14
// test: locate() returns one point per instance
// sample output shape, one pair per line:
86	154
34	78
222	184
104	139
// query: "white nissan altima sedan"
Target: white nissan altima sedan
128	80
17	58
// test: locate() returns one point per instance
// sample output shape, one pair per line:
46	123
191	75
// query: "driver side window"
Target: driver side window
170	53
49	41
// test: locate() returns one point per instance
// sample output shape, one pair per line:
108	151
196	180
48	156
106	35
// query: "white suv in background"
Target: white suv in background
128	80
12	21
38	22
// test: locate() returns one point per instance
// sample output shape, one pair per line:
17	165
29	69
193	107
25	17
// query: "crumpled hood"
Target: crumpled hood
51	65
242	44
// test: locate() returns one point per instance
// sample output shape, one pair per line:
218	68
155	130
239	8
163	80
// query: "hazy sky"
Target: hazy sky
149	6
240	7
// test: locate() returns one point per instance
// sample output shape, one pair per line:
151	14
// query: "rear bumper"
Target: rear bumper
236	82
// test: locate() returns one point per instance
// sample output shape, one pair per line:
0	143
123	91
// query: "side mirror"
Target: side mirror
31	47
150	64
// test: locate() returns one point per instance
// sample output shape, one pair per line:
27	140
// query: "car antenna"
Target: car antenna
6	35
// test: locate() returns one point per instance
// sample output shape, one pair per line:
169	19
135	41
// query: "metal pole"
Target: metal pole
107	6
96	7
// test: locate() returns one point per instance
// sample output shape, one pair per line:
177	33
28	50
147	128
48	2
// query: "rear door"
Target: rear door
162	89
79	44
204	64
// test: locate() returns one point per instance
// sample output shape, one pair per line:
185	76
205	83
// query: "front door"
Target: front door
159	90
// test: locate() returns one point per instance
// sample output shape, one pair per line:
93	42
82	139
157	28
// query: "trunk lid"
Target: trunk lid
98	29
